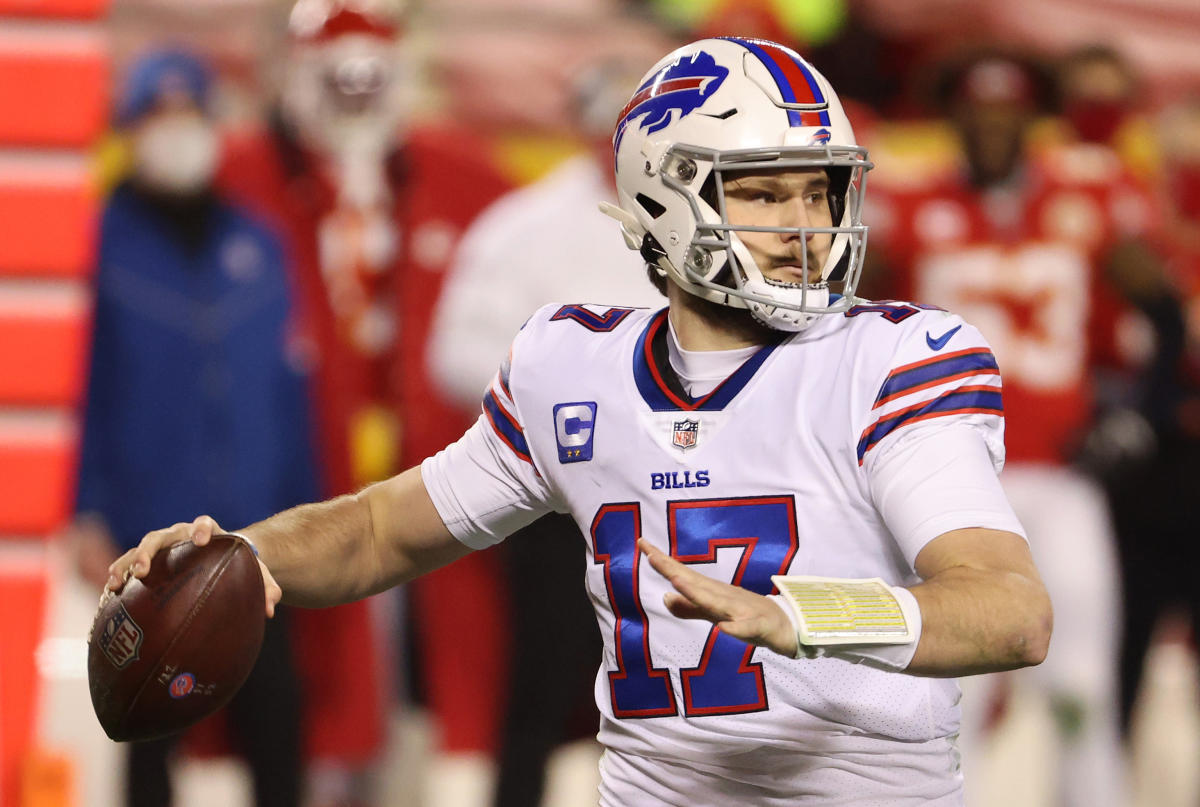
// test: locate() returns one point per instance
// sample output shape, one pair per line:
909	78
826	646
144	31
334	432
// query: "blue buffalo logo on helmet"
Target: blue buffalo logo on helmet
681	87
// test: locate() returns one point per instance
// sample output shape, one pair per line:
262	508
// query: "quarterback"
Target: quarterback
795	533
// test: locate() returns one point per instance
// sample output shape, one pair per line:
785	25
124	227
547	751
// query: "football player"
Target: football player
766	432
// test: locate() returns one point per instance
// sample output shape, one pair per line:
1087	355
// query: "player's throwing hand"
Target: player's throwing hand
136	562
734	610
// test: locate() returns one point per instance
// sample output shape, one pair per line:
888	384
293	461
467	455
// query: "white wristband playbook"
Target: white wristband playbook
860	620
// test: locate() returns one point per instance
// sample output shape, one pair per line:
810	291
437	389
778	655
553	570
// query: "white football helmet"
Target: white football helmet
733	104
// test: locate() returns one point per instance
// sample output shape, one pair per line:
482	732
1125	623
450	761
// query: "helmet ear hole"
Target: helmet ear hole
839	183
838	273
708	190
652	208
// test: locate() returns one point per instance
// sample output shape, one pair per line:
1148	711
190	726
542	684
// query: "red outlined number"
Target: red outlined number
724	680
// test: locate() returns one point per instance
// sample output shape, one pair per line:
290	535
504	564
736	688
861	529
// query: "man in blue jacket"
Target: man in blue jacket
189	359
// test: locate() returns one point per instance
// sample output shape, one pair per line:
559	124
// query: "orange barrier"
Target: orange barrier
77	9
43	343
48	780
53	89
23	590
53	224
37	457
54	96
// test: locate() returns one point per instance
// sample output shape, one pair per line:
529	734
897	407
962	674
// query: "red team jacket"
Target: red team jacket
1026	267
440	180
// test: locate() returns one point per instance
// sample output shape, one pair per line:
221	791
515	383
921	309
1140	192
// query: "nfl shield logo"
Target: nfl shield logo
684	435
120	639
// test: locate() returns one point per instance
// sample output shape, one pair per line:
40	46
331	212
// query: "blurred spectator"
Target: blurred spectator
189	361
508	68
1153	439
1024	246
373	204
545	242
1103	102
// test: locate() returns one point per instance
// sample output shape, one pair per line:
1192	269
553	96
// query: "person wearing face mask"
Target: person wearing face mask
190	360
1048	251
373	199
1103	105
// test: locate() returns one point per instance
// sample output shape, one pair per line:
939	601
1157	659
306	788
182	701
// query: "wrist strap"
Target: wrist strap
245	538
860	620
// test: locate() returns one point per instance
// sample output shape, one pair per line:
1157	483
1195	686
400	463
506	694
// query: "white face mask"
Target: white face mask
176	154
349	96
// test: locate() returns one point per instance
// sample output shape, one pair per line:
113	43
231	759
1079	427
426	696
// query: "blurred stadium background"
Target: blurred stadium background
506	68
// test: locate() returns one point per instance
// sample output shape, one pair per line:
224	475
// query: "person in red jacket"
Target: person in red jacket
1026	246
373	206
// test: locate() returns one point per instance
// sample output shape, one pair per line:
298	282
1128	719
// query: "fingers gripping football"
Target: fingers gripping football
136	561
734	610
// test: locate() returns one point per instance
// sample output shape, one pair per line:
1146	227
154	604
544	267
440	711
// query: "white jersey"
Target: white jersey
773	472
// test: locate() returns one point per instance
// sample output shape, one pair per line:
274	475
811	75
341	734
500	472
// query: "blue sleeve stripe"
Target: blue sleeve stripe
506	427
938	370
964	401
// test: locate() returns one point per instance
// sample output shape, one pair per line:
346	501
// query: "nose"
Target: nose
794	214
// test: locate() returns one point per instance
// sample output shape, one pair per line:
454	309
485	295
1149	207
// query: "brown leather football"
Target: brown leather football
174	646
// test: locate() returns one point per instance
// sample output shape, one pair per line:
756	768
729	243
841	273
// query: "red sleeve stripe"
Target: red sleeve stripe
935	383
981	399
506	426
936	370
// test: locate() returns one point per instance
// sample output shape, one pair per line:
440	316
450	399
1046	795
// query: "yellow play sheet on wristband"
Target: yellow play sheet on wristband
831	610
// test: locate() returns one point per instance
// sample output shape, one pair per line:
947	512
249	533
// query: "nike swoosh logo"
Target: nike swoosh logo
940	342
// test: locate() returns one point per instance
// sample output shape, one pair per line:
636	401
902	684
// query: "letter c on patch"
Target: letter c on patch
574	427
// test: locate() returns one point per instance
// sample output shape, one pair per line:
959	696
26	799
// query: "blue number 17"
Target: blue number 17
723	680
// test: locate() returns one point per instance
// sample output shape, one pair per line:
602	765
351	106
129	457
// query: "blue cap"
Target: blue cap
160	72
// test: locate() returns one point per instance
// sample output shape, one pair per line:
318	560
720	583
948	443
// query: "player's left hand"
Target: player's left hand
136	562
734	610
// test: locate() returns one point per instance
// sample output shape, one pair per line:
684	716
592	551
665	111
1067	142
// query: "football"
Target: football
174	646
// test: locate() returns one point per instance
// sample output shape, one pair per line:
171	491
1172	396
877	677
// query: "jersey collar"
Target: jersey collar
659	385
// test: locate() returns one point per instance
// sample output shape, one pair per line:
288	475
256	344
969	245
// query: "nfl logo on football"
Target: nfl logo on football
684	434
121	639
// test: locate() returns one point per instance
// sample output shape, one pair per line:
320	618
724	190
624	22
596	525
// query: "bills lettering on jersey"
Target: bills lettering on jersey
671	480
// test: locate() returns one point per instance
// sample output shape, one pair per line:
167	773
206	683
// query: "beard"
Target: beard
738	321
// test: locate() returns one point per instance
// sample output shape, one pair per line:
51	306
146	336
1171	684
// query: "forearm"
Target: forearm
320	554
977	621
351	547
